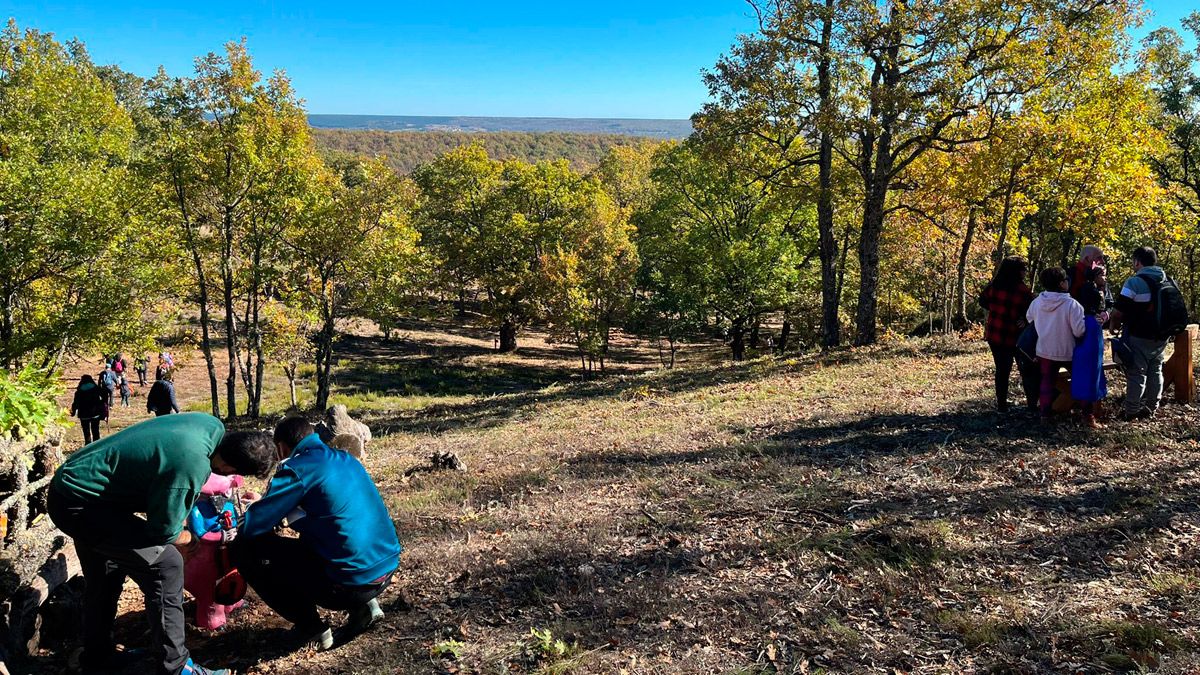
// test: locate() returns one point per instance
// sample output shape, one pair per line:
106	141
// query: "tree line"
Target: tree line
407	150
860	171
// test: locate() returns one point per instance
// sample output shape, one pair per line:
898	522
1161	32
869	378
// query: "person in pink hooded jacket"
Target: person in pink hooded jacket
1058	319
200	570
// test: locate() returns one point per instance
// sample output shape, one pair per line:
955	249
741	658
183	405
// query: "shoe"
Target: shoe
1090	422
1143	414
191	668
361	618
319	638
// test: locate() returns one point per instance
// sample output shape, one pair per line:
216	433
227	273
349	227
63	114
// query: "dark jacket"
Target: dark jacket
89	402
161	397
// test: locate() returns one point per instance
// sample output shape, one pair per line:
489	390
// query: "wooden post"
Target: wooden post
1179	370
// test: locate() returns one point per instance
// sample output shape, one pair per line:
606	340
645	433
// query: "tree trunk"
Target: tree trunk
508	337
960	311
324	351
231	345
831	330
291	375
1005	216
737	339
756	332
784	334
7	326
868	262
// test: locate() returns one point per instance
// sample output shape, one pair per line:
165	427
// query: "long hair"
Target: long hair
1011	273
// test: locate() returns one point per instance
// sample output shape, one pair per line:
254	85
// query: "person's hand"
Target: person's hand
250	497
186	543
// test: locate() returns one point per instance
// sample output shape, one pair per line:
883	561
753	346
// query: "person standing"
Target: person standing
142	365
1006	300
1088	383
89	406
347	551
1151	308
1058	319
1077	276
108	382
125	392
154	468
160	400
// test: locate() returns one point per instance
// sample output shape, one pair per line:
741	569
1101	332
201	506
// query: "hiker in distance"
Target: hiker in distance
347	551
154	468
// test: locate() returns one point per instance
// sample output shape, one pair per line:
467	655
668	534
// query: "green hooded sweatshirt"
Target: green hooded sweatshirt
155	467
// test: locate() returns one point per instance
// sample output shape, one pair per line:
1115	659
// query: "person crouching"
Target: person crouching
347	551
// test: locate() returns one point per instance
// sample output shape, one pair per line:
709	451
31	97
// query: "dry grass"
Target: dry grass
860	512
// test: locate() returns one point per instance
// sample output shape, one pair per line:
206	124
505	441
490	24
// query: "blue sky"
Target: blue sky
617	58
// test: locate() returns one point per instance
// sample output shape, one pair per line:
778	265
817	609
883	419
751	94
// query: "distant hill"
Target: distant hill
628	127
407	150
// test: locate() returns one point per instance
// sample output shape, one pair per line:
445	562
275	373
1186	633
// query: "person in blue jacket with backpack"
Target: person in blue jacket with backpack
1153	312
347	551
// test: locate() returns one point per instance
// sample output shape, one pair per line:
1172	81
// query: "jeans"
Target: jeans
1144	377
1003	357
112	546
290	577
91	430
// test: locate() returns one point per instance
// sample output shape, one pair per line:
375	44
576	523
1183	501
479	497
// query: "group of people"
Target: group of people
94	398
1064	327
345	555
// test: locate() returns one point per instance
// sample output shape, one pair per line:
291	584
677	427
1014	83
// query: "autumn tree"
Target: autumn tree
357	221
69	204
725	235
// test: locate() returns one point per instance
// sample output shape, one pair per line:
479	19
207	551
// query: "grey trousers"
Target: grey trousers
109	551
1144	377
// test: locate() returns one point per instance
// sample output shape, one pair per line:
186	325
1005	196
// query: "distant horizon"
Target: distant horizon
515	117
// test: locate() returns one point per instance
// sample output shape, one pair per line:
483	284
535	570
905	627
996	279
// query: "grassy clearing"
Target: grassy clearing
864	511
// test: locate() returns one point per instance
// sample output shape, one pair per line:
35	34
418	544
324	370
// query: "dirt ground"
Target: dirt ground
863	511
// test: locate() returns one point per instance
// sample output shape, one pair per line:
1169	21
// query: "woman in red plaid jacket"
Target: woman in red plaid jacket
1006	300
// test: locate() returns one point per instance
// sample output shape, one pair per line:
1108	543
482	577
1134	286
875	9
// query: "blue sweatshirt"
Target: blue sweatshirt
344	520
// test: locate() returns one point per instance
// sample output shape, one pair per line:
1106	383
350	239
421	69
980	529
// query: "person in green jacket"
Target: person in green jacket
123	500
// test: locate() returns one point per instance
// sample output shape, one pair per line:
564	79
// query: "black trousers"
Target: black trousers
91	430
1031	376
290	577
112	546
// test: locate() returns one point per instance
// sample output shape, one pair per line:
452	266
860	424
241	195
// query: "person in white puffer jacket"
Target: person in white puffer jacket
1058	319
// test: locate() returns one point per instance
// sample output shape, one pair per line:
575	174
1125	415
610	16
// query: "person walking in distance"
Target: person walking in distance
90	407
160	400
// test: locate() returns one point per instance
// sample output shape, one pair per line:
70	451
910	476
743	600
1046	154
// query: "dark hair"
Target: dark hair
292	430
1146	256
1011	273
250	453
1053	278
1095	272
86	379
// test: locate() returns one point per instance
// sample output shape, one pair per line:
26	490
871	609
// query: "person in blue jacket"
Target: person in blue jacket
347	551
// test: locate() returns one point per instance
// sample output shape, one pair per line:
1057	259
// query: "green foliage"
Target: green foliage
27	402
70	207
447	649
545	647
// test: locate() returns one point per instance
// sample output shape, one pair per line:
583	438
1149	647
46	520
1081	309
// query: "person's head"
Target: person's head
1091	255
1011	272
1098	275
86	379
289	432
1144	256
1054	279
246	453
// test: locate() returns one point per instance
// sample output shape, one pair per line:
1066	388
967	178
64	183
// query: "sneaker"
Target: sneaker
319	638
191	668
361	618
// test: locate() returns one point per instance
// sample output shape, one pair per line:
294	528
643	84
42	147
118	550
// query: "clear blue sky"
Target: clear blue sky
618	58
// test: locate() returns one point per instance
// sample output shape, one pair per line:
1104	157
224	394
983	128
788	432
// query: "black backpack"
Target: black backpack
1167	315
